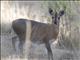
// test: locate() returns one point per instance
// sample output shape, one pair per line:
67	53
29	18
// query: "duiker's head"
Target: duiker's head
56	16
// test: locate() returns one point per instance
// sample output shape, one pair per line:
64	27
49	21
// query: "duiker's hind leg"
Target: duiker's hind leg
14	42
21	43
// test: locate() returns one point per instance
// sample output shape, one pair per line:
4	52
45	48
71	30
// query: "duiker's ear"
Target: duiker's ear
51	11
61	13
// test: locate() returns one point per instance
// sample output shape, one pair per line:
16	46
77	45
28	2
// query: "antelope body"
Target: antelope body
40	32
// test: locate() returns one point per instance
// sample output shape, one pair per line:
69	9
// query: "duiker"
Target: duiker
40	32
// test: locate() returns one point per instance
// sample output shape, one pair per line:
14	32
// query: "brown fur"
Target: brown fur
39	33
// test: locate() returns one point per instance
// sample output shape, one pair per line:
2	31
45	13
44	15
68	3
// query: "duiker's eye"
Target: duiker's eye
53	17
58	18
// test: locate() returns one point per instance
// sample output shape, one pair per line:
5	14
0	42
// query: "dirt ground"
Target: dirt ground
37	52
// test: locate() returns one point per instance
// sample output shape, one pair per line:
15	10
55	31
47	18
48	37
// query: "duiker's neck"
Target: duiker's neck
55	24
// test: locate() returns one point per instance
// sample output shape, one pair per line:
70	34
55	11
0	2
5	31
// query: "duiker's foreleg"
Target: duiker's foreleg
50	55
